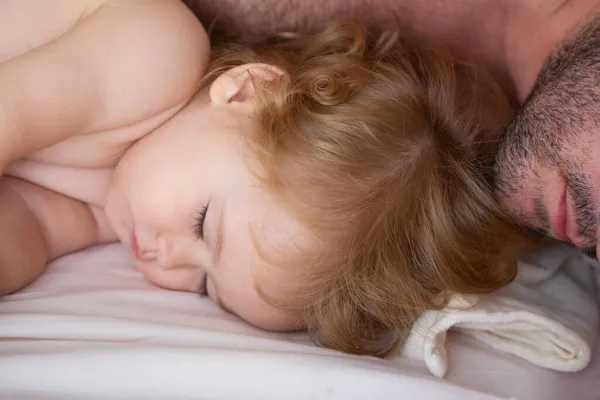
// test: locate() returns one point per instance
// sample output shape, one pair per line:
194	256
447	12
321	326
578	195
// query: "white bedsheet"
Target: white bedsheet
548	316
91	327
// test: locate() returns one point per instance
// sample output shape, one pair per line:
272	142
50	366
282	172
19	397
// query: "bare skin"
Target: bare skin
71	105
534	28
106	135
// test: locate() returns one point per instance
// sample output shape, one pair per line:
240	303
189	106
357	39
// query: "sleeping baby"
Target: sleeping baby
336	182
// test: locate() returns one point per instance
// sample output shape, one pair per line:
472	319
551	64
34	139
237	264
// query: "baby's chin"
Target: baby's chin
180	280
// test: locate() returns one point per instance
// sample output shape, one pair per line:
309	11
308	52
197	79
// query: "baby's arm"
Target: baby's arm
36	226
125	62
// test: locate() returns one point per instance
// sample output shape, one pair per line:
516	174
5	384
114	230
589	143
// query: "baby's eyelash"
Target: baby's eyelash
199	223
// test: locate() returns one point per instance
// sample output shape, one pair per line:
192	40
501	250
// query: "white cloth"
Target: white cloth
92	328
547	316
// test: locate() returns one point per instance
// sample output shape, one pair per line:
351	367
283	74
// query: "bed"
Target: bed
92	328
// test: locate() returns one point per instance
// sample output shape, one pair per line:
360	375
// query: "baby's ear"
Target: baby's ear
238	83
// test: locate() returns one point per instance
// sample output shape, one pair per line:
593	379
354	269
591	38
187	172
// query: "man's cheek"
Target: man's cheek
517	195
518	206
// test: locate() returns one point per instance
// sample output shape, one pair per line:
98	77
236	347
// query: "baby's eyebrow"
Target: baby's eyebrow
218	243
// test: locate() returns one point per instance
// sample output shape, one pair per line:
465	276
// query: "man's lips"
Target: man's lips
563	227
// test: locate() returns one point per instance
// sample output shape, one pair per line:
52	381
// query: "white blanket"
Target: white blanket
547	316
92	328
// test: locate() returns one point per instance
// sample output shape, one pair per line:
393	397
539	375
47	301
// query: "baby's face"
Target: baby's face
184	200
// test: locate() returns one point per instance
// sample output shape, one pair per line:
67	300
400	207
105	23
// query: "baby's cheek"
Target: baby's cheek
185	279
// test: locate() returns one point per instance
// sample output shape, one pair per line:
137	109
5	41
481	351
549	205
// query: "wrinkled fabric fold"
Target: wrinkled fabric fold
548	316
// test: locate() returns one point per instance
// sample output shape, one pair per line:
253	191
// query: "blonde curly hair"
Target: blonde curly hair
382	146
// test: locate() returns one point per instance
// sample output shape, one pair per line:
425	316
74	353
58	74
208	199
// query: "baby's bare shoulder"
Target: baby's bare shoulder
26	25
111	63
157	53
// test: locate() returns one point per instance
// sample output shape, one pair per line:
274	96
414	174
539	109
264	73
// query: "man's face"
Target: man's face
548	163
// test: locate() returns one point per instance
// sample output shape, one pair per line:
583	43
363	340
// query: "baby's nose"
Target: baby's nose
171	252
